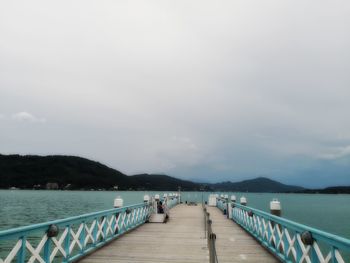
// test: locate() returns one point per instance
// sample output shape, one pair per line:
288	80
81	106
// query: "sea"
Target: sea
326	212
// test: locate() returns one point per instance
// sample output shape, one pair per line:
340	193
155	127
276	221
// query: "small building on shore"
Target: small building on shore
52	186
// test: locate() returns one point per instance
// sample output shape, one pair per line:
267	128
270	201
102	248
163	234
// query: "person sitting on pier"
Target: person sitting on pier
160	208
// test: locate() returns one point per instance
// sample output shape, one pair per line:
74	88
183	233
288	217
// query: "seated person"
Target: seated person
160	207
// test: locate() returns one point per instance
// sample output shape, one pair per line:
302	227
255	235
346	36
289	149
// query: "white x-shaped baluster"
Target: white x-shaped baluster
261	228
280	234
117	220
109	225
36	252
138	211
320	254
76	238
132	217
89	233
338	256
122	220
256	225
291	248
265	234
100	229
304	249
58	245
272	233
142	213
245	218
13	252
127	220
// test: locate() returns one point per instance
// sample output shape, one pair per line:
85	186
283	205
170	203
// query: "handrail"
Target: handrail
288	240
70	238
210	236
171	202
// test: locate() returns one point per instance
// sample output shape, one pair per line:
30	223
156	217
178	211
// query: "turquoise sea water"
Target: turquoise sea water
19	207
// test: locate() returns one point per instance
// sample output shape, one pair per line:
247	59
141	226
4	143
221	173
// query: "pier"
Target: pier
181	239
220	230
233	244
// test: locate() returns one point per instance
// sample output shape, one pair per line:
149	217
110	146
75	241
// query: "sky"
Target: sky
202	90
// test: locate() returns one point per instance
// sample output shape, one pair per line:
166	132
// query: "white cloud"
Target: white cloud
24	116
248	87
336	153
179	151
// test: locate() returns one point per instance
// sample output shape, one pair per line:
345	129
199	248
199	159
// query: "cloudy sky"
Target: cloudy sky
202	90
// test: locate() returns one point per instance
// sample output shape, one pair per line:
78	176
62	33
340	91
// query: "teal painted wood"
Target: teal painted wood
22	253
47	249
283	237
77	235
221	204
67	244
171	202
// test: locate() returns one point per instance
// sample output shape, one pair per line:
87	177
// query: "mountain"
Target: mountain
59	171
329	190
71	172
161	182
260	184
27	171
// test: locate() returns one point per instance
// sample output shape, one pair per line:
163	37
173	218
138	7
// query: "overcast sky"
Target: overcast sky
202	90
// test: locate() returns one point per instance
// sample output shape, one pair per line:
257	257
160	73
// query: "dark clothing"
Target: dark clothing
160	209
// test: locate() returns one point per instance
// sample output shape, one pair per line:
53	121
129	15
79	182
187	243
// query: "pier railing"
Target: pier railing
171	202
69	239
221	204
288	240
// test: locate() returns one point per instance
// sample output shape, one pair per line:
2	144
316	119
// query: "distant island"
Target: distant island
75	173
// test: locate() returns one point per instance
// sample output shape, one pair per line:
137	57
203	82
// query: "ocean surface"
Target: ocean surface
330	213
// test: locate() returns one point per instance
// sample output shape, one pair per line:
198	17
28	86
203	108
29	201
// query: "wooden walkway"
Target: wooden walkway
233	244
181	239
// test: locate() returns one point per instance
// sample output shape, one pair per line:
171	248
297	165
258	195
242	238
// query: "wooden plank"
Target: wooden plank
233	244
181	239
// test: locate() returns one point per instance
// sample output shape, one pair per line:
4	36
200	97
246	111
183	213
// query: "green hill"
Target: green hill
71	172
260	184
28	171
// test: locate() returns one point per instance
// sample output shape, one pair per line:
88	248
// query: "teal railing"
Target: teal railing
68	239
171	202
221	204
288	240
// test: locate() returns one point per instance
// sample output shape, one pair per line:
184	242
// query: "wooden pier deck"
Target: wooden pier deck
233	244
181	239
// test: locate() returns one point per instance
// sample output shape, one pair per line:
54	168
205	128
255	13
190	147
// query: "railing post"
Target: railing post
95	231
22	252
105	218
82	237
67	243
47	250
230	207
276	210
118	202
275	207
243	201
